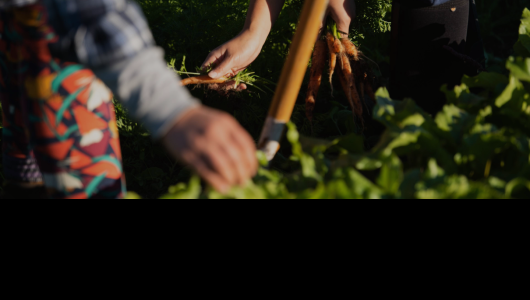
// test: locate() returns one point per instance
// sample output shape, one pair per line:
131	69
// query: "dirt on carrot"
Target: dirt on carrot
350	48
349	86
317	68
334	51
202	79
354	73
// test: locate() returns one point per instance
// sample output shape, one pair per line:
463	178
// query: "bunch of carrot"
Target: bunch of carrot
353	71
225	84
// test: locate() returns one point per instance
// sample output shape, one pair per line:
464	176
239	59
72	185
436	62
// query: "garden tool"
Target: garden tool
292	76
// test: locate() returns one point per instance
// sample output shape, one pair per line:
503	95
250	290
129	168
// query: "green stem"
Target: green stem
188	73
336	31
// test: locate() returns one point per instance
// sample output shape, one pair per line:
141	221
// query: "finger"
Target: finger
343	22
211	177
213	58
229	85
224	67
343	28
248	149
218	161
234	153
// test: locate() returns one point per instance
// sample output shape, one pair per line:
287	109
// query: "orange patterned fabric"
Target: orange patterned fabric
59	125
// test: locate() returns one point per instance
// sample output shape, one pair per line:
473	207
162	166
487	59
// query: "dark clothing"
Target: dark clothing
423	3
433	46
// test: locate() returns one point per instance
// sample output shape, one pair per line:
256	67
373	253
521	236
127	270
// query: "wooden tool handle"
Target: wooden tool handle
292	75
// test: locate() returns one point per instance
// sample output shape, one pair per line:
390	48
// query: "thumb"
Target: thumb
224	67
212	58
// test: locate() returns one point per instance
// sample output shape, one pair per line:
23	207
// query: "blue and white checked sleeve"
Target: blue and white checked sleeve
101	31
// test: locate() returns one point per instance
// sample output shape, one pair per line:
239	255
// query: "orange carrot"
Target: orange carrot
337	47
334	46
318	63
203	79
350	48
347	90
358	75
351	88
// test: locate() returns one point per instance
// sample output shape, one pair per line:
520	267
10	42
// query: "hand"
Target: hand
342	12
215	146
235	55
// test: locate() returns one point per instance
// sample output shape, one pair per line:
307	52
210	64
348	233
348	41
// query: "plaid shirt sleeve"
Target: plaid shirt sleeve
100	32
5	4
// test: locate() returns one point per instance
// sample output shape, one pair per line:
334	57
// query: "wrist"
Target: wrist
256	33
175	125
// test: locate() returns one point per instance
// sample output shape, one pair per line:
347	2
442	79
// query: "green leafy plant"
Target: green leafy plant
478	146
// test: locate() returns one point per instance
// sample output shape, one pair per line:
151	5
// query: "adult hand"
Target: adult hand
215	146
342	12
234	56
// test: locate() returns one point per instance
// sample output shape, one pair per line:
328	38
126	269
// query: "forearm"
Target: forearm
149	90
261	16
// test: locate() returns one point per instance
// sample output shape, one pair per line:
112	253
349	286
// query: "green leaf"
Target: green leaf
433	170
183	191
513	91
409	183
382	93
132	196
361	185
293	137
391	175
455	121
486	80
519	67
516	185
522	47
309	167
262	158
462	96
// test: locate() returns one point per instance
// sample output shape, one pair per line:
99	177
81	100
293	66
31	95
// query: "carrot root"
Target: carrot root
350	48
203	79
334	46
350	88
318	64
345	82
